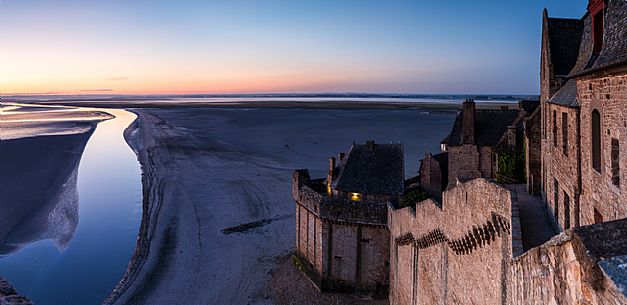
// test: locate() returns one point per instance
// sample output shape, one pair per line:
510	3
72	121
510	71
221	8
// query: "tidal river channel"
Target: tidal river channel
80	248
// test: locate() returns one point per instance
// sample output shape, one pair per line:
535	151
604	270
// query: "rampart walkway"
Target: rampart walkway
535	224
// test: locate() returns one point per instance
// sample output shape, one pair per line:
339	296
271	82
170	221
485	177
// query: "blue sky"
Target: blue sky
190	46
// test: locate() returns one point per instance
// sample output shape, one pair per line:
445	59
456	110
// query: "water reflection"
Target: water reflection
39	196
68	229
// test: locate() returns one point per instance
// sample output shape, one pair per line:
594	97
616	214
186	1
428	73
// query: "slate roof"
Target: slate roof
529	106
614	51
490	126
376	171
564	41
567	95
571	44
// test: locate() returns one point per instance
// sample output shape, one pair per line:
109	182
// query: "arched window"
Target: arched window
596	140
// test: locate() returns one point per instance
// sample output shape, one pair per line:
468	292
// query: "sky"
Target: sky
271	46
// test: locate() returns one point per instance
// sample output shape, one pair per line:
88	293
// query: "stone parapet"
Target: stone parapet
436	248
580	266
337	209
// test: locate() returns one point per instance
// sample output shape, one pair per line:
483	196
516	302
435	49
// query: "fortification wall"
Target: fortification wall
436	250
344	244
575	267
608	95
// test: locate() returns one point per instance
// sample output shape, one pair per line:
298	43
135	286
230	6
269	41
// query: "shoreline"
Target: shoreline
196	186
445	106
133	137
64	153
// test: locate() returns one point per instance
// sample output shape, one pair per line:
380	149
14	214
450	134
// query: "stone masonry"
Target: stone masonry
608	95
345	244
434	247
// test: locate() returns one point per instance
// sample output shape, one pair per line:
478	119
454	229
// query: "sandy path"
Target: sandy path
207	172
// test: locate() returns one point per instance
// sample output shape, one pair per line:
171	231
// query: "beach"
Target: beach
218	214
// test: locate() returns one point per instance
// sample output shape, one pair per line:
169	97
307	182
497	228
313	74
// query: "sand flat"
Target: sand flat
210	169
29	120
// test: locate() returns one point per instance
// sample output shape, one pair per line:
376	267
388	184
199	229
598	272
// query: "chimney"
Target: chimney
370	144
330	176
468	122
341	157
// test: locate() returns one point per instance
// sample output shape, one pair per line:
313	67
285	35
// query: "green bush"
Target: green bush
511	166
413	196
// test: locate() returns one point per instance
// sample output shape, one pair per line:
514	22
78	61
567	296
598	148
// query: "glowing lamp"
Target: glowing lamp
355	196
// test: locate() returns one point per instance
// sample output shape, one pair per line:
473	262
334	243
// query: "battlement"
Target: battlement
344	244
433	242
336	209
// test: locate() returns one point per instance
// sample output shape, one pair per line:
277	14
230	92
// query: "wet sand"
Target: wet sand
39	155
209	174
40	150
23	120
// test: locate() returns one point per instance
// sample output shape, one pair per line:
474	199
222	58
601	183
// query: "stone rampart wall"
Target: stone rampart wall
575	267
345	244
436	249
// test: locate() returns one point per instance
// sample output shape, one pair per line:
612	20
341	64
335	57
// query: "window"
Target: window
595	9
615	163
597	28
556	190
565	133
554	128
545	117
596	140
566	211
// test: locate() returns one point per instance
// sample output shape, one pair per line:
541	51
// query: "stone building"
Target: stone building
482	243
433	174
584	95
472	148
341	221
474	139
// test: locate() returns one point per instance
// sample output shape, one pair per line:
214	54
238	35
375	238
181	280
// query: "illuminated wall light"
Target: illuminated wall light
355	196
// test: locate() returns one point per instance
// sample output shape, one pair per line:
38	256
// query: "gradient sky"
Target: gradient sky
196	46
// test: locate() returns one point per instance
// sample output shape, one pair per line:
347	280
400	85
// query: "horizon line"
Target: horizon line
261	94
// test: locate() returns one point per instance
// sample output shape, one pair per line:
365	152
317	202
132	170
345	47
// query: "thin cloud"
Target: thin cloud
118	78
98	90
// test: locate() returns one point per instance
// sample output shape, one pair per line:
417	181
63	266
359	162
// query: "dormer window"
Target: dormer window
596	11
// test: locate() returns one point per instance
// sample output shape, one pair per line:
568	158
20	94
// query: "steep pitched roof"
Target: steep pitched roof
529	106
373	169
615	37
564	41
490	126
567	95
614	51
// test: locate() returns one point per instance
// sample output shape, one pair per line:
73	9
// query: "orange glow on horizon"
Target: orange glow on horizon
179	85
